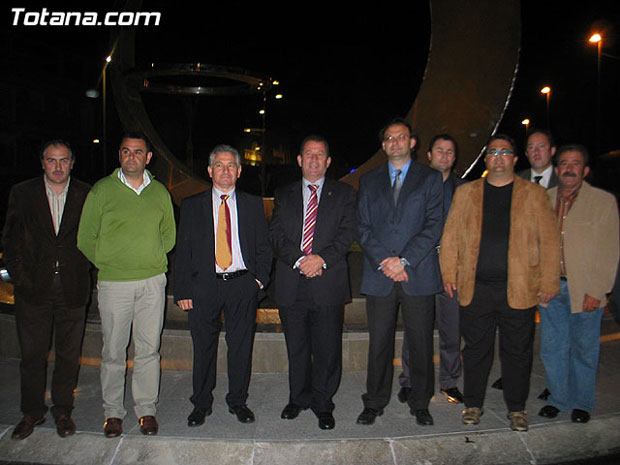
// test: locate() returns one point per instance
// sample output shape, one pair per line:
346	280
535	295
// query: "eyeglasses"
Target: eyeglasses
502	152
399	138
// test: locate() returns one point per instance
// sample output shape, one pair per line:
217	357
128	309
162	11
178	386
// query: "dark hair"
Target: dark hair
314	138
392	122
137	135
573	148
506	137
50	143
447	137
544	132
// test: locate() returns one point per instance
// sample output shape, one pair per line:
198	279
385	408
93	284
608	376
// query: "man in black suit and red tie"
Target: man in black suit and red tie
52	285
222	263
312	228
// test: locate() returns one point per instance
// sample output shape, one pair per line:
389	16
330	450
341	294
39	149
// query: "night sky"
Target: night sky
344	73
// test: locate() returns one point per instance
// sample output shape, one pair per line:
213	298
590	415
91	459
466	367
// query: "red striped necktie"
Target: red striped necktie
310	220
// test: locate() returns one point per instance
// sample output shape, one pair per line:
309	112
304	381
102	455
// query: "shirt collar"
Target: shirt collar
403	170
218	193
49	187
318	183
146	180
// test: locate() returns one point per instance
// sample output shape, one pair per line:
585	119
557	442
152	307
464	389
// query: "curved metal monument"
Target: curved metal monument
470	72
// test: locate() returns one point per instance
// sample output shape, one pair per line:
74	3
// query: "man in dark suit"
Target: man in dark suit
222	261
539	151
399	222
442	153
312	228
51	282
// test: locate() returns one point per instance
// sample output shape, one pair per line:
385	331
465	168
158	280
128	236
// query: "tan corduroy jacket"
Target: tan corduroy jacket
591	244
533	248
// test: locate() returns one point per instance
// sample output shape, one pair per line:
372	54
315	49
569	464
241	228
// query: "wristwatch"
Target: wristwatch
403	261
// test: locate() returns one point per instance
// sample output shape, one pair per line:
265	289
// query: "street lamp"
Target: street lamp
598	40
526	123
547	92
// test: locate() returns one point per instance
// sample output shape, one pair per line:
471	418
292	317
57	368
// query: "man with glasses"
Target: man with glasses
399	222
500	250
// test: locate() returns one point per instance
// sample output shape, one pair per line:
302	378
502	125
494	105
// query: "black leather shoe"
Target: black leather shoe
197	417
26	426
148	425
544	395
549	411
579	416
403	394
326	420
422	417
453	395
113	427
291	411
368	416
244	414
64	425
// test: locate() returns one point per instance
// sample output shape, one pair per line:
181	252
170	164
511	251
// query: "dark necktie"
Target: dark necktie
537	179
398	183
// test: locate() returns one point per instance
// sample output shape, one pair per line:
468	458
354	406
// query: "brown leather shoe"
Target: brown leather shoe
64	425
113	427
148	425
26	426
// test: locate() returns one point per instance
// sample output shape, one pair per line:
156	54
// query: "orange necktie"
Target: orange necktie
223	254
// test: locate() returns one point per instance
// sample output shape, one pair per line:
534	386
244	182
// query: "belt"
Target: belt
233	275
563	278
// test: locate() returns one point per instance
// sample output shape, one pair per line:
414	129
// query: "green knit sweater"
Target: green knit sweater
126	235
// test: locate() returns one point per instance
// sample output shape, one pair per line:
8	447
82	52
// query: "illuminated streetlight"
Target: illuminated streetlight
526	123
547	92
598	40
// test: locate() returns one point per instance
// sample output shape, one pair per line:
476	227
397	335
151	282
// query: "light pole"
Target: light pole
526	123
598	40
547	92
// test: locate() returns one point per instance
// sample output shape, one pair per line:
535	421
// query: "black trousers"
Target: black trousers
489	311
237	298
314	344
36	322
418	314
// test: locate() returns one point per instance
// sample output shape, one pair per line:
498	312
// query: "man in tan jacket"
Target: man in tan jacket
570	326
500	251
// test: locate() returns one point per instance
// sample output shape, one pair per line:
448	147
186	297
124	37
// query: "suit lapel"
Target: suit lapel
296	212
410	181
325	207
43	209
385	188
70	213
476	199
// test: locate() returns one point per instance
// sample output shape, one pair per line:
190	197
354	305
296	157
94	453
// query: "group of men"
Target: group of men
482	256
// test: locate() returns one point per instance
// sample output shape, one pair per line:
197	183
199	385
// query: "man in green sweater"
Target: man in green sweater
126	229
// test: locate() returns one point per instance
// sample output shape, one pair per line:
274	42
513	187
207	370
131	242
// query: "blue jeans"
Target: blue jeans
569	349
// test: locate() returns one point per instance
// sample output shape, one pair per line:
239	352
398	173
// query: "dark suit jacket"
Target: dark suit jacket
32	248
553	180
194	265
333	235
411	229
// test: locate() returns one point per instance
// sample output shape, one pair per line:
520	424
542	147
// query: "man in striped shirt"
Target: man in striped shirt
51	281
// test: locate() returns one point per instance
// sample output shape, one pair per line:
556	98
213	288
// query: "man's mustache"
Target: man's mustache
569	174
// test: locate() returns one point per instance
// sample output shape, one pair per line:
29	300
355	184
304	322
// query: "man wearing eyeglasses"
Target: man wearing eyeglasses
399	220
500	250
